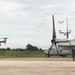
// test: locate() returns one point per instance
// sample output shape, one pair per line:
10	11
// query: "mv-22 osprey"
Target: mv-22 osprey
62	47
3	41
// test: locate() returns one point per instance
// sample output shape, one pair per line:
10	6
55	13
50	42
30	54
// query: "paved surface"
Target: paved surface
37	66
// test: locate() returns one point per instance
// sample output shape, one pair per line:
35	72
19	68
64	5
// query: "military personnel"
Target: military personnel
73	54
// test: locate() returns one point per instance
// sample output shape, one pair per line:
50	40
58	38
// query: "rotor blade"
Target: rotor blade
67	28
4	38
54	32
50	50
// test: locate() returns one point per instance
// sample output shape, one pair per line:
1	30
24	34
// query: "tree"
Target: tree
31	48
8	48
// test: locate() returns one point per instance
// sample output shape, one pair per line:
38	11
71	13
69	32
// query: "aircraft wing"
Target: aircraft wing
66	47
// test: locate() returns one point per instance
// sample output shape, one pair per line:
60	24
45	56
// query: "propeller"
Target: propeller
68	31
53	41
5	40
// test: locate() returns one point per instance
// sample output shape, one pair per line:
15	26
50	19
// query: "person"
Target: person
73	54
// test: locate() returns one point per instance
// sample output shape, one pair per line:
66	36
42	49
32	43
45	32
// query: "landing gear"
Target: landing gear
64	55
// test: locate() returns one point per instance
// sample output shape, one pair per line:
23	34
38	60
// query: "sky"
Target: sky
30	21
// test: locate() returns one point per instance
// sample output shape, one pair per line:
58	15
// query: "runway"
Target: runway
37	66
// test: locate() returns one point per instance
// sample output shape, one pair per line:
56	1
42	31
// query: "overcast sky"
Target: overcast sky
30	21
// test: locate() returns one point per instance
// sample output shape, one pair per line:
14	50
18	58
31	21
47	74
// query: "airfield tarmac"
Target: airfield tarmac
37	66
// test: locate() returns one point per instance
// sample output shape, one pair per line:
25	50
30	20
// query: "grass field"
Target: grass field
22	54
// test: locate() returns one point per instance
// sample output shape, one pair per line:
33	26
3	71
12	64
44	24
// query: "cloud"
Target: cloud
12	11
30	21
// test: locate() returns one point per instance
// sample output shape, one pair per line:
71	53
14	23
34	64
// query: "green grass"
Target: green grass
22	54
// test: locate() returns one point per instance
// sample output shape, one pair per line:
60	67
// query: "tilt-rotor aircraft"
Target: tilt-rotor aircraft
3	41
61	47
67	31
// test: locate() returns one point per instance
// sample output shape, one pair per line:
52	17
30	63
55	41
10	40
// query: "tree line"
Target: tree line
29	47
